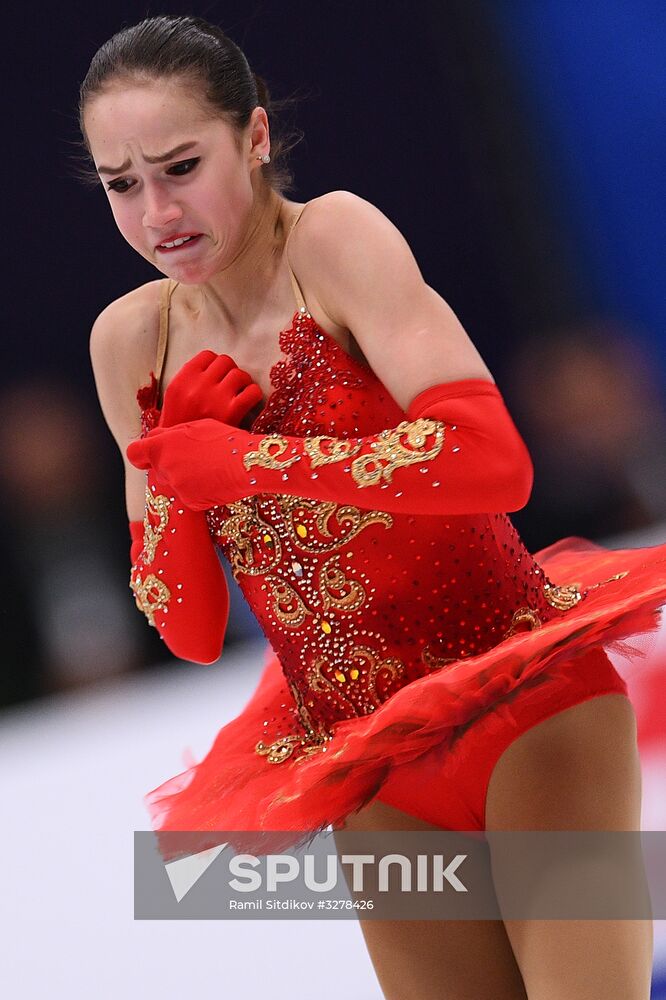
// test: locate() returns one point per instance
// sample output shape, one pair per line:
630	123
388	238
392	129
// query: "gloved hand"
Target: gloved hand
209	385
176	576
458	452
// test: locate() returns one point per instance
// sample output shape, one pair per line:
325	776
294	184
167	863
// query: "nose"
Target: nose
159	209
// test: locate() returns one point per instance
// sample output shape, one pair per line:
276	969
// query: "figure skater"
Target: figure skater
292	391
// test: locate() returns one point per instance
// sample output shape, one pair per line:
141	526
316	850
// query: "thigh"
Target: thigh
577	770
448	786
430	959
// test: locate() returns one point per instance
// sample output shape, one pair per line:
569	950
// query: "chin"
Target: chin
190	275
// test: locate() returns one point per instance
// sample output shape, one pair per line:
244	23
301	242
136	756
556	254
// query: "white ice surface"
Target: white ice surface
73	770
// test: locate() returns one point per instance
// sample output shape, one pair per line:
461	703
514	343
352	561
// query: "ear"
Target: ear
259	132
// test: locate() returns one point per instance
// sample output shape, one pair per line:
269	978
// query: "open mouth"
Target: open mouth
181	243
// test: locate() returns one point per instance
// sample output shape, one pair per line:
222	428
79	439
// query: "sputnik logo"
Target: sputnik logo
186	872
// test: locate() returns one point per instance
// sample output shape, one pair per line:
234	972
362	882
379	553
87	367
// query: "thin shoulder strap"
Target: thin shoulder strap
294	282
166	291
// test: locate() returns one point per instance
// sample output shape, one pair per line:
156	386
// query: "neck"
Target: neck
237	290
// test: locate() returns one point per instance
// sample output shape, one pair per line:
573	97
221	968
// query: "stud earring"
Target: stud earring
265	158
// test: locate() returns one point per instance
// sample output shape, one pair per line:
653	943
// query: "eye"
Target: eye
184	167
116	186
176	169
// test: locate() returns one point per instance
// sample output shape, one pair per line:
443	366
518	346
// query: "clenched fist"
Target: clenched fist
209	385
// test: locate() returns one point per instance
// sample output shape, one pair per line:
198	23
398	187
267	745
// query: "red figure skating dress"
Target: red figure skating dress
406	652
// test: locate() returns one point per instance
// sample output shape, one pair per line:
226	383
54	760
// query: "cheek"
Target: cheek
222	193
211	198
228	208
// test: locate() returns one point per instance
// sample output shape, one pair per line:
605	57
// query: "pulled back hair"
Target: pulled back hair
203	57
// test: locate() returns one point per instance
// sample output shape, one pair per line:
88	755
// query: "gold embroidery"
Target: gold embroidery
435	662
388	451
319	682
351	594
563	597
279	750
367	675
611	579
360	680
335	450
391	665
267	459
321	513
157	505
521	617
288	606
283	748
254	543
151	595
245	526
304	715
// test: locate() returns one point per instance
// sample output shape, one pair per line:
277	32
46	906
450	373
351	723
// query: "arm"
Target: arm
458	452
176	577
122	346
361	272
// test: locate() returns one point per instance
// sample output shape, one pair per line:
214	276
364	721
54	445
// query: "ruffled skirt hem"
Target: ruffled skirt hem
281	805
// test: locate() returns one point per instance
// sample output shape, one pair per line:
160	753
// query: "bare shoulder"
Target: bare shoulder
359	269
123	347
340	233
334	218
341	244
127	329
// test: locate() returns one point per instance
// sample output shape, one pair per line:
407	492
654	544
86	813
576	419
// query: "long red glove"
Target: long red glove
176	576
136	534
458	452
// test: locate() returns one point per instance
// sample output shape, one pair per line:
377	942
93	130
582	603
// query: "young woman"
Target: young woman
293	392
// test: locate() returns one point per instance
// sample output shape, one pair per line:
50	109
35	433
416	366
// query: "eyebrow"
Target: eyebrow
149	159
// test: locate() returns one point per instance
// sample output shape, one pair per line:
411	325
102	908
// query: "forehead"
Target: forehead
155	115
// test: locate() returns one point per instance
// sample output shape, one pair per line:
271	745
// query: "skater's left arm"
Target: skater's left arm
458	450
362	272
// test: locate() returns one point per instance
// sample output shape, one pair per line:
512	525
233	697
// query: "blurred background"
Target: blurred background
519	147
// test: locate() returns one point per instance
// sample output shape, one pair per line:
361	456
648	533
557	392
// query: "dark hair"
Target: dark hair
203	56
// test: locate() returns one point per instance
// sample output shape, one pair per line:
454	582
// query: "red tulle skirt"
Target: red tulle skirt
448	787
235	789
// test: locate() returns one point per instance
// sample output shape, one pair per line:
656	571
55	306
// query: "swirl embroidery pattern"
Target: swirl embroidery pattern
391	449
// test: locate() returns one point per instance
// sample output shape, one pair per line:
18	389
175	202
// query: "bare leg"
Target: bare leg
578	770
431	959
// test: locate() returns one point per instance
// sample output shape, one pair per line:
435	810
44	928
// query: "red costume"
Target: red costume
412	636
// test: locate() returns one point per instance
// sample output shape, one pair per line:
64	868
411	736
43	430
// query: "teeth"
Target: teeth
177	243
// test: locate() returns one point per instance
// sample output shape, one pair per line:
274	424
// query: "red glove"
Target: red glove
176	576
136	534
209	385
458	452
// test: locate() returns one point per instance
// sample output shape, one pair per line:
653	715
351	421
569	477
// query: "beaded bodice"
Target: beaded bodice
356	602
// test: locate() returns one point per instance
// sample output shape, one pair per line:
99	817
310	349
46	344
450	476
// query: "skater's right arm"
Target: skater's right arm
176	576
